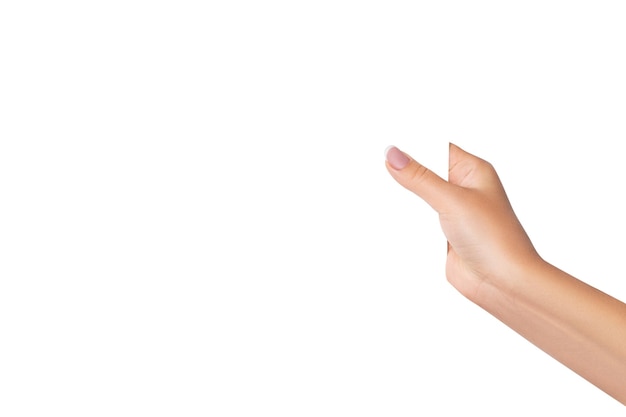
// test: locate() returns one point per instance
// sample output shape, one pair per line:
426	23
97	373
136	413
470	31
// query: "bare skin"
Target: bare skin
493	263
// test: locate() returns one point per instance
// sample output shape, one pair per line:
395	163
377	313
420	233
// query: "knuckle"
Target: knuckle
486	165
485	168
418	174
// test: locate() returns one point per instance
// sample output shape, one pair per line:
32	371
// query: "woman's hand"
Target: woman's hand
486	242
493	263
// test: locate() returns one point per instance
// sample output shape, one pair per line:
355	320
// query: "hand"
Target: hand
486	242
493	263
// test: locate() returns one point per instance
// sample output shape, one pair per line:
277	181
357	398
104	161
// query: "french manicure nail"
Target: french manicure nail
396	158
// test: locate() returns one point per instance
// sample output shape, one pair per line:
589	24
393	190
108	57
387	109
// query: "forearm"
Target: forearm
580	326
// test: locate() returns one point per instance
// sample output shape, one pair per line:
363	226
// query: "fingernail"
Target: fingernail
396	158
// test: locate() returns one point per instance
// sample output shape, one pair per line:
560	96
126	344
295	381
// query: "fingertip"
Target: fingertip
453	147
455	154
396	158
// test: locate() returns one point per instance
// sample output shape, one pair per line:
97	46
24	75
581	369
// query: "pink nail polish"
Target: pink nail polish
396	158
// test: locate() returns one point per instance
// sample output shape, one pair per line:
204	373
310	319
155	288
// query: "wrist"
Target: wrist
517	283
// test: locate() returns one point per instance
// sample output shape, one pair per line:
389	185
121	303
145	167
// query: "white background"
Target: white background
195	217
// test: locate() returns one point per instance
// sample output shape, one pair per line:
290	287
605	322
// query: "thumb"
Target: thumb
417	178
